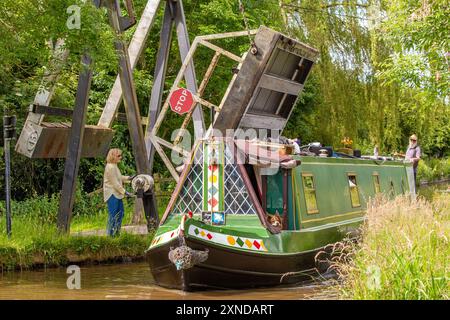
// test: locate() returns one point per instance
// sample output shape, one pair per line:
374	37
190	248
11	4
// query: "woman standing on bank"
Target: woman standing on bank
114	192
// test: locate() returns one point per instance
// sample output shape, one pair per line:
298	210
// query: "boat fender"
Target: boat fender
184	257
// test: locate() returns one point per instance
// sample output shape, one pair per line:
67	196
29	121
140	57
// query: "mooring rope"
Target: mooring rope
254	49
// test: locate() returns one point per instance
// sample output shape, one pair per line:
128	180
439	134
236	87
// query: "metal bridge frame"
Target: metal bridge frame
152	138
144	143
123	89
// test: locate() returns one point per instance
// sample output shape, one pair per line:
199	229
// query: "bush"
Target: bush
433	169
88	204
45	208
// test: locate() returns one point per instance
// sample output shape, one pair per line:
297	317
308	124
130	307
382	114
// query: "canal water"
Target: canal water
134	281
130	281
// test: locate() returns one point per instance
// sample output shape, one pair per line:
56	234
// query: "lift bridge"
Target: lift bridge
262	93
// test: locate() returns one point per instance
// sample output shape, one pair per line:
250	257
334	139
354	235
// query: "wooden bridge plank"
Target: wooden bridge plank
281	85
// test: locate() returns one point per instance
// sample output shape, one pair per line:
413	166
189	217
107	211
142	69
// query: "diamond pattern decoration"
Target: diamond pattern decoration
231	240
236	197
213	202
165	237
237	200
191	195
213	177
227	239
213	190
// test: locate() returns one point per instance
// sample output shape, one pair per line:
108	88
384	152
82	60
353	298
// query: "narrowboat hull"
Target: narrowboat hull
242	260
265	231
230	269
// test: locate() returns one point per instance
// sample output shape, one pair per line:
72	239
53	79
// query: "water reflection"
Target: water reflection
134	281
129	281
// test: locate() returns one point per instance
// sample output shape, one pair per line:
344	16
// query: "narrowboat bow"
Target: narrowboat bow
245	214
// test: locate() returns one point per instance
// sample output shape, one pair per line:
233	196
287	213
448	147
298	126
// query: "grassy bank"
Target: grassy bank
35	241
403	254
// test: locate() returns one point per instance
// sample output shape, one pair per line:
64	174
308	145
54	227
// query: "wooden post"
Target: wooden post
157	178
133	113
9	129
74	146
174	10
160	76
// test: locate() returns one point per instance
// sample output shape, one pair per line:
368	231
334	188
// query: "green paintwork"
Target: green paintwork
274	198
332	189
335	216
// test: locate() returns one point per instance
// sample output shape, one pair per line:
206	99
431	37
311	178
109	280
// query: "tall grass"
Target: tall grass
403	252
36	244
36	241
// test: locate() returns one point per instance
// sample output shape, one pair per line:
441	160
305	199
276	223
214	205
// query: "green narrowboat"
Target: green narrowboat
244	214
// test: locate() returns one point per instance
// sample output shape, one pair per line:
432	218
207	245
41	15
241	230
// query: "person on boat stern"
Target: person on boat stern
114	192
297	144
413	154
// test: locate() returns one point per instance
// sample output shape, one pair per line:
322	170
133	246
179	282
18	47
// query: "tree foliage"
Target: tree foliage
372	87
419	34
383	71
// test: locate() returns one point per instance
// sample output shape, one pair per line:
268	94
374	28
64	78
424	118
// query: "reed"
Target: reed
403	252
33	246
36	242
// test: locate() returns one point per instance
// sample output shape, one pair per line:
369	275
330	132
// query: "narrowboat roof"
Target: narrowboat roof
231	156
260	152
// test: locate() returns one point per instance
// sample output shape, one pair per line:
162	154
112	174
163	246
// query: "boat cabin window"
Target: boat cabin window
354	192
237	199
229	188
274	193
376	182
191	194
391	189
310	193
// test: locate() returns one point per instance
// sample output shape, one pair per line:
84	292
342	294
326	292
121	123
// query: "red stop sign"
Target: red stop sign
181	101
